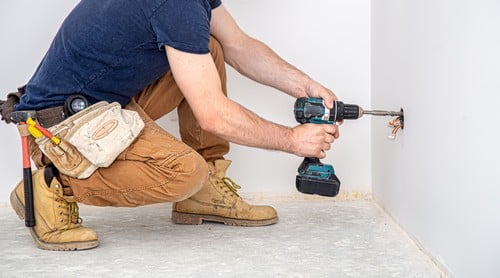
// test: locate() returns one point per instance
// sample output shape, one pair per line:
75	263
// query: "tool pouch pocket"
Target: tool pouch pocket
91	138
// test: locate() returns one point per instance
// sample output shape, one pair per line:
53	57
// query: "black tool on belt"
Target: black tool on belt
74	104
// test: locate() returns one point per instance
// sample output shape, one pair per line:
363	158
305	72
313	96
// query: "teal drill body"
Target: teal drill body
314	177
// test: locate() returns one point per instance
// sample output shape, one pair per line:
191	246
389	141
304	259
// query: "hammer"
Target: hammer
20	118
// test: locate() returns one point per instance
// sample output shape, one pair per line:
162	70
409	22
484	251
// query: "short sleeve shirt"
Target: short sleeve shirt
112	49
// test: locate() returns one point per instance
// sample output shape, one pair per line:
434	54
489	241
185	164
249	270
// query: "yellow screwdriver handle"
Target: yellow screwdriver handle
38	131
34	131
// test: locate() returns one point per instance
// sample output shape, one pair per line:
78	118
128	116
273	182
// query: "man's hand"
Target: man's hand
316	90
313	140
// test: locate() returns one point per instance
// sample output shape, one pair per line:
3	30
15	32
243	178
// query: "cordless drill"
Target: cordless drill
313	176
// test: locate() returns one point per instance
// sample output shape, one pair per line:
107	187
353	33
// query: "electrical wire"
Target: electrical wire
396	126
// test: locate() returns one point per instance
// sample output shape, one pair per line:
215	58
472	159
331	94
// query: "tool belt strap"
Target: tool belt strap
50	116
46	117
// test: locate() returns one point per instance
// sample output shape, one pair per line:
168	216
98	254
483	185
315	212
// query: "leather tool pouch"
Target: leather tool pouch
91	138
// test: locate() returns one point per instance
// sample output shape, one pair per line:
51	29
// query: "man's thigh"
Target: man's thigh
155	168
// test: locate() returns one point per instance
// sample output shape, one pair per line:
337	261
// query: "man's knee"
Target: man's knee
192	176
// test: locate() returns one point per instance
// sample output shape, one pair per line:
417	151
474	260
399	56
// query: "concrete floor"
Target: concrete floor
314	238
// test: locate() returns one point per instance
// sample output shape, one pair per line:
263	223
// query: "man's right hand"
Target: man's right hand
313	140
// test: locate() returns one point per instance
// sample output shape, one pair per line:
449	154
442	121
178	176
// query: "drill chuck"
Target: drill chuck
346	111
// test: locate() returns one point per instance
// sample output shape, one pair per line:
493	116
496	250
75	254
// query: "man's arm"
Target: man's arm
257	61
197	77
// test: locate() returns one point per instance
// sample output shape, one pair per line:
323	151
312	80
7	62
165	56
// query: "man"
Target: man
152	57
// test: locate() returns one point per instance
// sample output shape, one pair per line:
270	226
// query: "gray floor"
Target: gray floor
314	238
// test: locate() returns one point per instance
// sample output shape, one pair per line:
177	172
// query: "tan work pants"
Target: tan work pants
157	167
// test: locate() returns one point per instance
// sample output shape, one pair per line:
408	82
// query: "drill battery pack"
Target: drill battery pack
324	187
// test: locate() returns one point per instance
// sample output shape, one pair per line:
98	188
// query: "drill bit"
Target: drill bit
382	113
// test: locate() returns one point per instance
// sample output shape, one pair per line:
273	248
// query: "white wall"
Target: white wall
440	60
330	40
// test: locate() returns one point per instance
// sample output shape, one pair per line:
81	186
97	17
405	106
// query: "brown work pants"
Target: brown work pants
157	167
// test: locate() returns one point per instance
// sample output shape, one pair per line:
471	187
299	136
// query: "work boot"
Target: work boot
58	225
218	201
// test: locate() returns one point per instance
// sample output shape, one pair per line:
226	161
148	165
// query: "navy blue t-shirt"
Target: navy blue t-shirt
112	49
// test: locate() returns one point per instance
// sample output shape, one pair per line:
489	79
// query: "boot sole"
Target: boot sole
197	219
18	207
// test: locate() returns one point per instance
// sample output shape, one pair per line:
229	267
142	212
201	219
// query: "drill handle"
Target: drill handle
307	162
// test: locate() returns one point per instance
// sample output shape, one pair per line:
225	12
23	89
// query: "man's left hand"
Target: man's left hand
316	90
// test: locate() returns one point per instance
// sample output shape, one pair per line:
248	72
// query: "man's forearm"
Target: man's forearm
260	63
237	124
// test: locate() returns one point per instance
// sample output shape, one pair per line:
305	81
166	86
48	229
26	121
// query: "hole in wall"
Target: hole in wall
402	118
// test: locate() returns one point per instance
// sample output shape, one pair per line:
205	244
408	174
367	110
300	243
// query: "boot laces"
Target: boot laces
69	212
232	185
74	213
